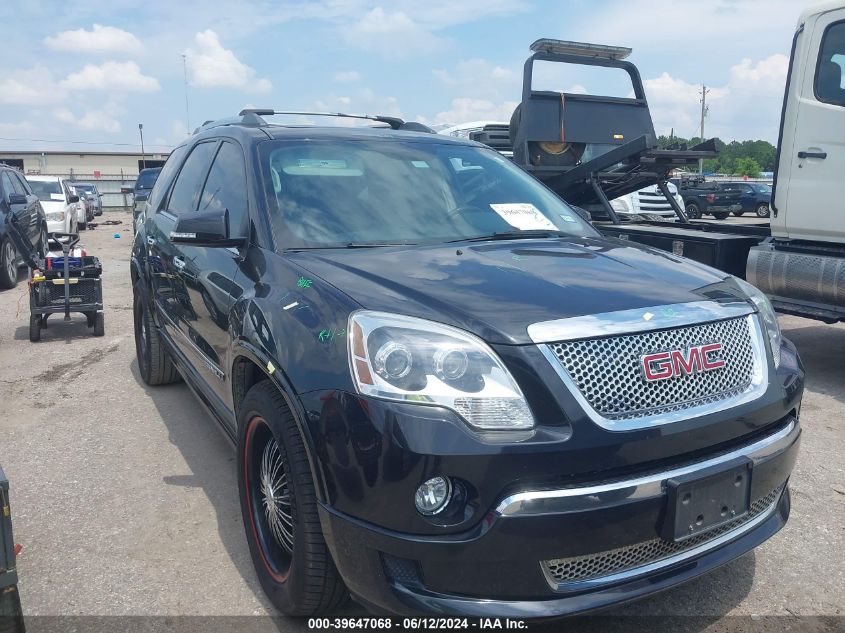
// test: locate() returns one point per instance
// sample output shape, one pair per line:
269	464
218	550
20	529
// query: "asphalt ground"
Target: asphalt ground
124	498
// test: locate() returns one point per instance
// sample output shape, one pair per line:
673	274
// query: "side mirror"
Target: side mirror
73	199
17	198
205	228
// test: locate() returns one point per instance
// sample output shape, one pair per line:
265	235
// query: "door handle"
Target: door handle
178	262
821	155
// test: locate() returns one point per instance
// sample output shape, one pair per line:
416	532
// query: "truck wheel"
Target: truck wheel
721	215
279	508
693	212
99	324
738	213
8	265
762	210
34	328
154	364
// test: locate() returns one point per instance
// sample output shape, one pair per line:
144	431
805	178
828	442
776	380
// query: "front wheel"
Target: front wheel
692	211
721	215
8	265
154	364
739	213
279	508
99	324
34	328
762	210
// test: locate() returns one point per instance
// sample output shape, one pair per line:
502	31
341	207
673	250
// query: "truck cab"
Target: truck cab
811	157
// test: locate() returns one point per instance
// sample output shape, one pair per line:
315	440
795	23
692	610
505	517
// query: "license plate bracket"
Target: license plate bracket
707	499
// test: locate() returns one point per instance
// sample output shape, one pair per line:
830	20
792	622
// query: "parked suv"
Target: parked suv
62	206
756	197
718	199
448	393
17	197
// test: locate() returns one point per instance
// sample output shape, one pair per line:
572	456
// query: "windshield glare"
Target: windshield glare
328	194
44	188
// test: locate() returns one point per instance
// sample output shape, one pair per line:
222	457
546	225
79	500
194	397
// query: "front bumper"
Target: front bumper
502	567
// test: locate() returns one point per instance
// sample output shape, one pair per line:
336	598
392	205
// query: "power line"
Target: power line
53	140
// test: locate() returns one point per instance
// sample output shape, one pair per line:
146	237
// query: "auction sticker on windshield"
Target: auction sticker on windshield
524	216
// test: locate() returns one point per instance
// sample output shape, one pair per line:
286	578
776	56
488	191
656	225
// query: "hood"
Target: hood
497	289
52	206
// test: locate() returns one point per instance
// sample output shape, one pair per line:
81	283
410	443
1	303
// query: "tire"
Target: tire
34	328
293	563
762	210
154	364
11	616
82	226
43	243
99	324
721	215
738	213
692	210
8	265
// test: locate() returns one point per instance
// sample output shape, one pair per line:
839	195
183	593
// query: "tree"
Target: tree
747	166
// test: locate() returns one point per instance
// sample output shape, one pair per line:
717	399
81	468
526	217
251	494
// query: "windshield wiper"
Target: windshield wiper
511	235
350	245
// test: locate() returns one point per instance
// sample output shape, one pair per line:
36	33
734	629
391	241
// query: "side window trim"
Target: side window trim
827	29
24	185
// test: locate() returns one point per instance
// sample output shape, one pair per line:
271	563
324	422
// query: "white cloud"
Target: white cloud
466	109
212	66
395	34
100	39
347	76
104	119
34	86
116	76
747	105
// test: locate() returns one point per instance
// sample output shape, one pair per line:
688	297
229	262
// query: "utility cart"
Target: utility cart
60	283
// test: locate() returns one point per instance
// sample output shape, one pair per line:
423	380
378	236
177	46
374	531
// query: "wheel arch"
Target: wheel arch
251	366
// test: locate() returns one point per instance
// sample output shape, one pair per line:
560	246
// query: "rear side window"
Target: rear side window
225	187
23	185
189	182
8	187
165	178
830	75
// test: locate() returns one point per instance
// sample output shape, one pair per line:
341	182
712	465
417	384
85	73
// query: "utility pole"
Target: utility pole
187	108
143	155
704	109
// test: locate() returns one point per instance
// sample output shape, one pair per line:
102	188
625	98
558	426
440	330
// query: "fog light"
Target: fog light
433	495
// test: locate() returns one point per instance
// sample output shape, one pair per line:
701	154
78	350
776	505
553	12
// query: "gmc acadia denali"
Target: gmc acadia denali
448	393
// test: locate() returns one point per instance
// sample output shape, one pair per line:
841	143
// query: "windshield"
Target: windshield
146	179
328	194
45	188
85	188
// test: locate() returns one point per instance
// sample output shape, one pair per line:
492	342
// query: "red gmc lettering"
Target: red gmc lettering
663	365
657	366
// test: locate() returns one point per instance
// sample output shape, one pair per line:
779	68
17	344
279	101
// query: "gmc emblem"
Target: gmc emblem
676	363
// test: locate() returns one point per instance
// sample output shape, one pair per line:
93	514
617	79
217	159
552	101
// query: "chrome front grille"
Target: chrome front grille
608	371
627	559
653	201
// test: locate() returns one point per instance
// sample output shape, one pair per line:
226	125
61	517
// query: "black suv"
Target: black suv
448	393
16	197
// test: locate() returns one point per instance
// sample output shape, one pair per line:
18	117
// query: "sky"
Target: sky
83	74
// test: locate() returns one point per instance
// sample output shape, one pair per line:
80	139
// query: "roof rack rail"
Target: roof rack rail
394	122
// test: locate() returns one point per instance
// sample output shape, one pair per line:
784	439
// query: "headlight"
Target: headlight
620	205
56	216
413	360
680	202
767	315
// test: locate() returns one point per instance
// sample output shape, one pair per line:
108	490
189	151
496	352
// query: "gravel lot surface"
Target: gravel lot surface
124	498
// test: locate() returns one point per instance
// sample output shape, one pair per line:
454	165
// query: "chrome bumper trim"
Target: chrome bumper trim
579	499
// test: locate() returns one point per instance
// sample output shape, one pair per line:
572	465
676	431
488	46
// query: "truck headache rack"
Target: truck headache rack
590	148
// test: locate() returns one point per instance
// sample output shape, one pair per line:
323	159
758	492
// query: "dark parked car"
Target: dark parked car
707	197
143	185
16	197
756	197
11	616
448	393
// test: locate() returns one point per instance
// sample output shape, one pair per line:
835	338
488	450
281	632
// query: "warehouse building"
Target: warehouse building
112	172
